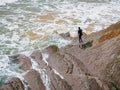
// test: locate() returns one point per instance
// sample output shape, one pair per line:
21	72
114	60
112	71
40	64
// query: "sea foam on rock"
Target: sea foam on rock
37	56
23	61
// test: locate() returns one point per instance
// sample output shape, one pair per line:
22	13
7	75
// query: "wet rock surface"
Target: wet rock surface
34	80
13	84
56	82
37	56
23	61
51	49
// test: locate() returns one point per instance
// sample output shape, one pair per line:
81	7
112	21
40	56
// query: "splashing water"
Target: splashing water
44	76
26	25
4	2
8	70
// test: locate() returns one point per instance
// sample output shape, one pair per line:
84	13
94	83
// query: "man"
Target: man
80	34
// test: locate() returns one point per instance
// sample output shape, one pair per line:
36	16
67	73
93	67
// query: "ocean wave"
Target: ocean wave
99	0
4	2
23	22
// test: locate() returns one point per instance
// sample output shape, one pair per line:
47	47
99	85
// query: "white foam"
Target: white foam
3	62
45	56
57	40
100	14
7	68
56	72
4	2
73	34
44	76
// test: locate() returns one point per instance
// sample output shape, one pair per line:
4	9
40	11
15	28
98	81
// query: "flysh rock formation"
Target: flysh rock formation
94	66
13	84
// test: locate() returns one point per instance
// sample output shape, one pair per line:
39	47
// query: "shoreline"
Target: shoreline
73	68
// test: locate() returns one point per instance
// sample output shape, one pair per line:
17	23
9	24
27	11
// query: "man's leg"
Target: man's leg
81	39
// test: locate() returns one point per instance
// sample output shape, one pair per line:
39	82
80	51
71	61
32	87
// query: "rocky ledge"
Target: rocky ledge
93	66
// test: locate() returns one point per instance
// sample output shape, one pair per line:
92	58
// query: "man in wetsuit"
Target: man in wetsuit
80	34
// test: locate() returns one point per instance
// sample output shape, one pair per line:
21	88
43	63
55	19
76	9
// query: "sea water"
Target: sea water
26	25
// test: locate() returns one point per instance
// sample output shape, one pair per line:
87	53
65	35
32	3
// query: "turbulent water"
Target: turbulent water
26	25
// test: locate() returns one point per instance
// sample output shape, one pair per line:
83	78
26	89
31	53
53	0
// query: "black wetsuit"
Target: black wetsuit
80	34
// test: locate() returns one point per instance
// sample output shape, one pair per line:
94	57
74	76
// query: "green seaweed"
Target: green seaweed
115	86
86	45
